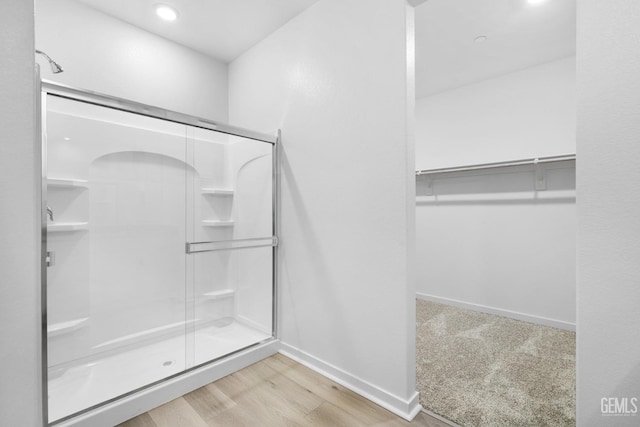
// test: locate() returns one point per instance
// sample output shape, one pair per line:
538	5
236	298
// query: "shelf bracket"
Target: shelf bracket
50	259
541	177
428	185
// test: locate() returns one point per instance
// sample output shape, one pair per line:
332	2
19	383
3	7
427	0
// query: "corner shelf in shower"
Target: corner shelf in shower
67	182
216	191
61	328
217	223
67	226
223	293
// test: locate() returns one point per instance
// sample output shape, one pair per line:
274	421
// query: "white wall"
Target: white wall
529	113
335	80
20	320
488	240
106	55
608	207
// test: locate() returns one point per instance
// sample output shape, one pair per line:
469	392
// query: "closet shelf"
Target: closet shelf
217	191
520	162
217	223
61	328
67	182
223	293
67	226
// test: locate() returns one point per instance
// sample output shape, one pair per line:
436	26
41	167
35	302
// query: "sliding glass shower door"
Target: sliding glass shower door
229	230
159	245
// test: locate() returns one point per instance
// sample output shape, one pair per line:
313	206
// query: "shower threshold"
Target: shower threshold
91	382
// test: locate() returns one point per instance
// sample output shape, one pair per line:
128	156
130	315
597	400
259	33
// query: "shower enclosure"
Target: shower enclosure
159	242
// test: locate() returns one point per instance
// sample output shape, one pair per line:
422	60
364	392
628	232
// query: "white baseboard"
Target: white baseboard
128	407
500	312
406	409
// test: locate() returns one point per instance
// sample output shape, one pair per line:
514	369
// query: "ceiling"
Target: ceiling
518	35
222	29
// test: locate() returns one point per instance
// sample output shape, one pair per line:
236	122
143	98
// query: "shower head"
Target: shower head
55	67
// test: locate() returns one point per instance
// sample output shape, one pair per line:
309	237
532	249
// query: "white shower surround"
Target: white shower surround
122	284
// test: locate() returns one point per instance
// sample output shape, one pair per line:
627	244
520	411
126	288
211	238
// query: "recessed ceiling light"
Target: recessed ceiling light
535	1
480	39
166	12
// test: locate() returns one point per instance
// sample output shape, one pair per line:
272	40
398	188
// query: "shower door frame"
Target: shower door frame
45	88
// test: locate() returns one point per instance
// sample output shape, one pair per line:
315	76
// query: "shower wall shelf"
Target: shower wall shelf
223	293
217	191
67	226
217	223
56	329
67	182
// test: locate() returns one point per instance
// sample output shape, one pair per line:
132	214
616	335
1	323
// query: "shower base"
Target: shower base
89	383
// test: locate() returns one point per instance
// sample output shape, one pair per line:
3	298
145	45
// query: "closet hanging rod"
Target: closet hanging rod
533	161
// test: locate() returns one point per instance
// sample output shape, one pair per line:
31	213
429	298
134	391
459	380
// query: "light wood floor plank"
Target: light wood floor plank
259	407
239	417
425	420
421	420
330	415
274	392
363	409
240	382
292	394
177	413
143	420
209	401
278	401
280	363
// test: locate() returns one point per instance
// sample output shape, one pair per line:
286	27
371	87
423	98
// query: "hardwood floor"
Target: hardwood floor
274	392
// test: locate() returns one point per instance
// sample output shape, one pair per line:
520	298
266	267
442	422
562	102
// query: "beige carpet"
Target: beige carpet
477	369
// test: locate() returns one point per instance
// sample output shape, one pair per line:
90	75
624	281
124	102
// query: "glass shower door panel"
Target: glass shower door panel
116	302
230	231
236	313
